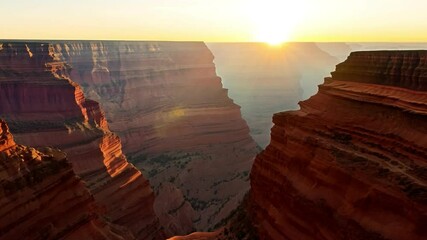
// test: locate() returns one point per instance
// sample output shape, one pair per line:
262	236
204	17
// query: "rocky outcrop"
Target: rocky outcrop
405	69
42	198
351	163
44	107
341	50
264	79
175	120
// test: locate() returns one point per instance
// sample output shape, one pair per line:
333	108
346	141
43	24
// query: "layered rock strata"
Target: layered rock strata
352	162
44	107
175	120
42	198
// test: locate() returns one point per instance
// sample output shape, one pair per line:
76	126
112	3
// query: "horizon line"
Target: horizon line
150	40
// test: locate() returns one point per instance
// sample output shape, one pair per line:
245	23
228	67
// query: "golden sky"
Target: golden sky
216	20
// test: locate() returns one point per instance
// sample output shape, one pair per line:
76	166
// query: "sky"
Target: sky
216	20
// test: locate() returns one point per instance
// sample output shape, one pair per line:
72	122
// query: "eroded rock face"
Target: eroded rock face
44	107
351	163
405	69
176	122
42	198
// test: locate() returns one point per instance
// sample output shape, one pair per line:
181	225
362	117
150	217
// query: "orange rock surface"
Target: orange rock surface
44	107
352	162
42	198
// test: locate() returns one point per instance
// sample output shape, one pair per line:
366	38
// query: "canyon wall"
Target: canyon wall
341	50
266	79
42	198
44	107
352	162
176	122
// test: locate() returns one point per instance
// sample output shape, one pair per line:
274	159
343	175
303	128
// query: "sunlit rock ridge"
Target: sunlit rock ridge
44	107
42	198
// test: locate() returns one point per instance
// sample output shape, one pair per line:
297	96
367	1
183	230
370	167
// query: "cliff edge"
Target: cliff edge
352	162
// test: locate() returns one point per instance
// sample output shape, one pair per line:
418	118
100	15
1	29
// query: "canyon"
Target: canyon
266	79
176	122
44	107
351	163
164	100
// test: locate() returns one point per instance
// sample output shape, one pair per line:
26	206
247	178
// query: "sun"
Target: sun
274	21
272	36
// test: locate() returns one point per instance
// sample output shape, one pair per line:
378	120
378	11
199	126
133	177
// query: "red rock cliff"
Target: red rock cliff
405	69
176	121
46	108
352	162
42	198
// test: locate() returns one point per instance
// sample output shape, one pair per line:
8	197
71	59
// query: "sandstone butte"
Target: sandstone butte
44	107
352	162
176	123
42	198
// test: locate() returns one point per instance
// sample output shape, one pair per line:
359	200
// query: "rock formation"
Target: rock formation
44	107
175	120
341	50
265	79
351	163
42	198
166	103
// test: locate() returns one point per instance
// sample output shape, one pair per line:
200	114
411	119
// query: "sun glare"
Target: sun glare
272	37
275	20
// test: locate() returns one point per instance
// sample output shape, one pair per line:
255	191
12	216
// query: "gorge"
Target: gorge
167	105
266	79
349	164
176	122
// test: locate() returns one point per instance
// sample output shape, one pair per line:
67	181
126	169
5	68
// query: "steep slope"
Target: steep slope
44	107
176	122
352	162
264	79
42	198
